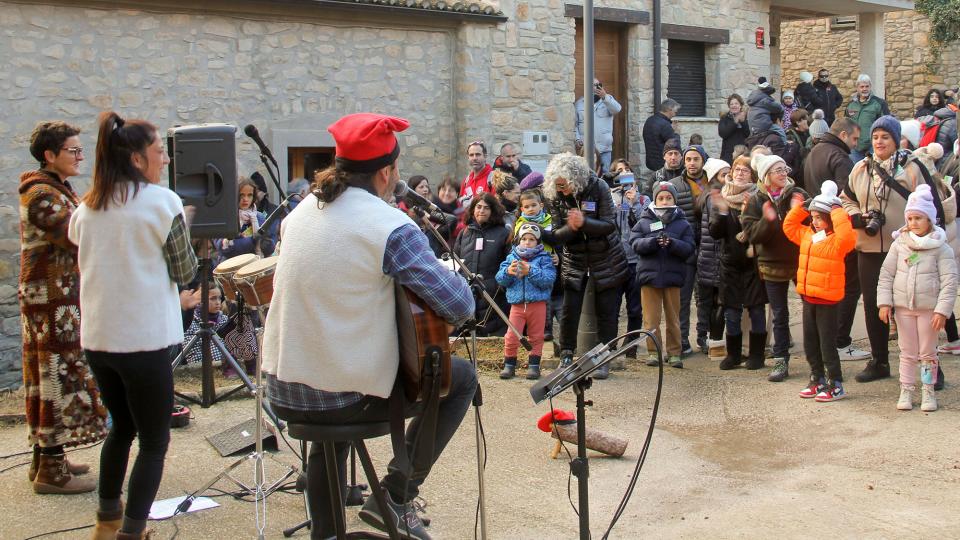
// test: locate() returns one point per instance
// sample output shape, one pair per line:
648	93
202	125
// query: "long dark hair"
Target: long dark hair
117	141
940	104
496	209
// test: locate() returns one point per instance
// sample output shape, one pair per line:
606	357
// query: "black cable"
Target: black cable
41	535
28	452
10	468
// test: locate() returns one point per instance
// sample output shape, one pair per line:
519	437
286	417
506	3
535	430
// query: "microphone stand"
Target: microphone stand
479	291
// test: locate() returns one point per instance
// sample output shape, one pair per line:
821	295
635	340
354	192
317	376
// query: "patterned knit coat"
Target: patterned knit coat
62	400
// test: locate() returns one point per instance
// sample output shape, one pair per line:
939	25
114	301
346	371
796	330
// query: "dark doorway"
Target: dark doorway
305	161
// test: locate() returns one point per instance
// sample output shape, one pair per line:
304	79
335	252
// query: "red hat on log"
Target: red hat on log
559	416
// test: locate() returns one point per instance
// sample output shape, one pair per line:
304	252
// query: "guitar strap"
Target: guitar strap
416	459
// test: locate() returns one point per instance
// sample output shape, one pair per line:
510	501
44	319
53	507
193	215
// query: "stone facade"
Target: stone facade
811	44
293	70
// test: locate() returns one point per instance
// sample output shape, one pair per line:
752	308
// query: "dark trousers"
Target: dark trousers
137	389
463	386
632	293
847	308
819	339
709	313
686	296
877	330
951	328
606	304
733	316
777	296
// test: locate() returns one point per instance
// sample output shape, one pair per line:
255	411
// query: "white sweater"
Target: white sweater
332	322
128	303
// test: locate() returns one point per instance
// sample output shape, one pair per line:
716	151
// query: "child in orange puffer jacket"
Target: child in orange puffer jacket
820	282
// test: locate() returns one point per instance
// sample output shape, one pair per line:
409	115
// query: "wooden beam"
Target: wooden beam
624	16
695	33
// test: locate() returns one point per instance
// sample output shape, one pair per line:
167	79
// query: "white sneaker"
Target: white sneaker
952	347
928	400
905	403
853	353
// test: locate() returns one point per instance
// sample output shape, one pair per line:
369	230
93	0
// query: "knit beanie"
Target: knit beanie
890	124
825	201
670	145
765	85
765	163
713	166
911	130
921	200
530	181
787	94
528	228
698	149
818	126
806	76
665	186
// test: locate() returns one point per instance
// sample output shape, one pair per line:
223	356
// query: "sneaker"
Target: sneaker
686	351
653	360
566	357
812	389
952	347
603	372
781	370
928	398
905	403
702	345
676	362
853	353
404	517
831	392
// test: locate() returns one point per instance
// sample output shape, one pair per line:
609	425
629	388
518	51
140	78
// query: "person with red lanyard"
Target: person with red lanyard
478	181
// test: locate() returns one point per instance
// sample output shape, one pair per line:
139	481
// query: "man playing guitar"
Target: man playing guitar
330	342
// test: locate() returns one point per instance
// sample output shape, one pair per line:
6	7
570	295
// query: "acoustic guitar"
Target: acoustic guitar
423	343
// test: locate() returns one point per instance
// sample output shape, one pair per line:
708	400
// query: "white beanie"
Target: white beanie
713	166
921	200
786	94
765	163
806	76
911	130
827	199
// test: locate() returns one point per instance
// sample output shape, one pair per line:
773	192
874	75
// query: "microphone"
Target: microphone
411	197
251	131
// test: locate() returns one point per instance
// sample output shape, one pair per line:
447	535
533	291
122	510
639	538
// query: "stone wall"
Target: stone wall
809	45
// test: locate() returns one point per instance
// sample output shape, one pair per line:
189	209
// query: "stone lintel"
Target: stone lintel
626	16
695	33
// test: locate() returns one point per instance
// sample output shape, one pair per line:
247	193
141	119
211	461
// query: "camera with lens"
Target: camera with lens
873	222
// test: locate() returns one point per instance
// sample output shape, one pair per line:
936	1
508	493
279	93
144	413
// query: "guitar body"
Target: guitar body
423	342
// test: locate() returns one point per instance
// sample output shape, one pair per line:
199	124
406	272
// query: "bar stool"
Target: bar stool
327	435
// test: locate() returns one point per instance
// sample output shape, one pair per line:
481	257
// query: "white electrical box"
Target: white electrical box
536	143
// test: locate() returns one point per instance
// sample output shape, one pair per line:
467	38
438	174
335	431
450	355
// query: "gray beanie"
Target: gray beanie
818	126
665	186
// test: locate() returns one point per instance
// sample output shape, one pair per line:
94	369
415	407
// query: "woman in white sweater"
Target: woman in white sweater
134	248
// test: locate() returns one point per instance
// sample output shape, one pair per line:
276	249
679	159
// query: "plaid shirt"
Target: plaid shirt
178	253
408	259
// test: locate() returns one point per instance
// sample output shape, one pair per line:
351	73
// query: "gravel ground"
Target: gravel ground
732	456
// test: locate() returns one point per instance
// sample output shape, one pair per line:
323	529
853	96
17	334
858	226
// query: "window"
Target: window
687	82
837	24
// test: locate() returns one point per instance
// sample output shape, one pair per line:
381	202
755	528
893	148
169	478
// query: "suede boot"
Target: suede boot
53	477
734	355
107	525
757	344
873	371
74	468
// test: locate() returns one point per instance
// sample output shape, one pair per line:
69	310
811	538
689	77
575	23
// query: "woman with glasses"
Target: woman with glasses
776	255
63	404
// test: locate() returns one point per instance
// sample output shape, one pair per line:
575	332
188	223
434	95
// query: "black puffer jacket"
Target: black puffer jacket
777	257
732	134
687	201
596	246
708	256
486	262
740	284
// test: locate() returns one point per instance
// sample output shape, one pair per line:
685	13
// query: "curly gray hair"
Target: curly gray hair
570	167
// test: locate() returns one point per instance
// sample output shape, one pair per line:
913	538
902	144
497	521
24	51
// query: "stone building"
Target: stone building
910	69
500	71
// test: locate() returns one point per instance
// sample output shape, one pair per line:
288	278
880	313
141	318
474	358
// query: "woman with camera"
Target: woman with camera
875	198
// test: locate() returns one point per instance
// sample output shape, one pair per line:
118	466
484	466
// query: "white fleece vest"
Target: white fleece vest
128	303
332	324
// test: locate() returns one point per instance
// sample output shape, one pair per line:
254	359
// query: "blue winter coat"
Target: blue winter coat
657	266
535	286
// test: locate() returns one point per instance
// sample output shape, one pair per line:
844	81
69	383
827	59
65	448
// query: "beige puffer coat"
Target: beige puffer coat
919	275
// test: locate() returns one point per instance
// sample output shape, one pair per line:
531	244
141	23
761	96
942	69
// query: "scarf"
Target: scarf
247	228
695	183
537	218
737	194
528	254
665	213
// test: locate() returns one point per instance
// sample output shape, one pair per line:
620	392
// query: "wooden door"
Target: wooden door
610	68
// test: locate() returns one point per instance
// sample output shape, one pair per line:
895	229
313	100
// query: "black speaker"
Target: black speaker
203	171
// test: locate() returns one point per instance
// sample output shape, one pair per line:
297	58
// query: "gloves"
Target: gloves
857	221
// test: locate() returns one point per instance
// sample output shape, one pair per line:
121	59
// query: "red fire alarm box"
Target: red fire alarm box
759	37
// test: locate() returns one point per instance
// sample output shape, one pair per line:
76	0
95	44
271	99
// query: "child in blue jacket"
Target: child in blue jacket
528	275
663	241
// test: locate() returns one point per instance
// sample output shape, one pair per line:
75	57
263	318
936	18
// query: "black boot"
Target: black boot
757	344
734	352
874	370
509	367
938	386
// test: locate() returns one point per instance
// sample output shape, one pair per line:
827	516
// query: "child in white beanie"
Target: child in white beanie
919	279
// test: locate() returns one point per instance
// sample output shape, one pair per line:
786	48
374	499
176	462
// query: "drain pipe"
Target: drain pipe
657	51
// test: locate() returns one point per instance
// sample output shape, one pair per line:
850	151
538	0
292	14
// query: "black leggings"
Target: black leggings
137	389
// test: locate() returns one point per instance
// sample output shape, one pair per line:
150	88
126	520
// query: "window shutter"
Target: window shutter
688	78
